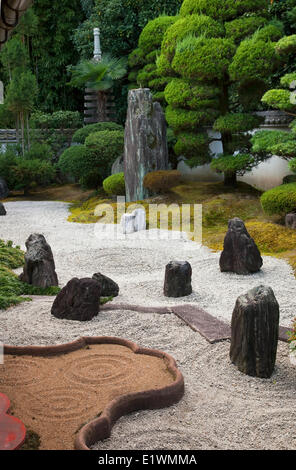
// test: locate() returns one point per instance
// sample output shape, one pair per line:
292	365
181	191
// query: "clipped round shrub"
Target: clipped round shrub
253	60
189	145
280	200
31	173
91	179
285	150
164	67
224	10
181	93
152	34
104	147
233	163
280	99
205	58
114	185
288	79
162	181
195	25
292	165
241	28
81	134
286	45
136	58
268	33
183	120
72	161
236	122
289	179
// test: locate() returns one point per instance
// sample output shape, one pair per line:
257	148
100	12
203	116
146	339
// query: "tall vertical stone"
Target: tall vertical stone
145	146
254	332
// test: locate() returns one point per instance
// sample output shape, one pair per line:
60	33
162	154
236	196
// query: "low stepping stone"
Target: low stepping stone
177	281
206	325
240	254
134	222
39	269
109	288
255	332
78	300
2	209
12	430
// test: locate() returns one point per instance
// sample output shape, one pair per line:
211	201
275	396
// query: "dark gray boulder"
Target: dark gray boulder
109	288
39	269
4	191
177	281
145	142
78	300
2	209
290	220
254	332
240	253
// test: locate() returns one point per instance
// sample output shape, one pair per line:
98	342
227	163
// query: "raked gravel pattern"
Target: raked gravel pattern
222	408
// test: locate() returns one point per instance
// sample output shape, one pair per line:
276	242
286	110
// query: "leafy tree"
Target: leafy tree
212	51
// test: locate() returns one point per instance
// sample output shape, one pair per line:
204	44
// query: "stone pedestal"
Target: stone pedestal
254	332
145	147
177	281
240	254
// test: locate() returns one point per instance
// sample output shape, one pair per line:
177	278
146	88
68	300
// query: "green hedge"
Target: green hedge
81	134
280	200
241	28
72	160
114	185
153	32
224	9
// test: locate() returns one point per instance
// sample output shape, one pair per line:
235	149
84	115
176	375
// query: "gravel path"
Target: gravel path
222	408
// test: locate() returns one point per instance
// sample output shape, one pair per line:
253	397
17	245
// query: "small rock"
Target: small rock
290	220
109	288
134	222
240	253
2	209
4	191
177	281
78	300
39	269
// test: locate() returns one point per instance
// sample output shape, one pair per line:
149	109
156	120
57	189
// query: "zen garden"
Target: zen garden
147	225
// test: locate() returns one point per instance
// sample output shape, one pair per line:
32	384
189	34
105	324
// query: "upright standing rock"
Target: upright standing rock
4	191
39	269
290	220
145	146
109	288
254	332
240	254
177	281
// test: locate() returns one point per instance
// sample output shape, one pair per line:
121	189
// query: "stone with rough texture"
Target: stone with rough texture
134	222
2	209
145	142
240	253
78	300
290	220
118	166
255	332
177	281
39	269
4	191
109	288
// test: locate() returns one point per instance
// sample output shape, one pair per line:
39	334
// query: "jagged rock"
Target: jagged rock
290	220
39	269
2	209
109	288
177	281
4	191
145	142
254	332
118	165
134	222
78	300
240	254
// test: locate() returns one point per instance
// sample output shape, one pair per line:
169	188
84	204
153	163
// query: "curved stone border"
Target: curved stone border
101	427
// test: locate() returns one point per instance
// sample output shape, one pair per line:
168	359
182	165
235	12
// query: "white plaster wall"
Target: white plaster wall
265	176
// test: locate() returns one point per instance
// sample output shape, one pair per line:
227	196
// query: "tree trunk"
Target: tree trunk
102	106
230	178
